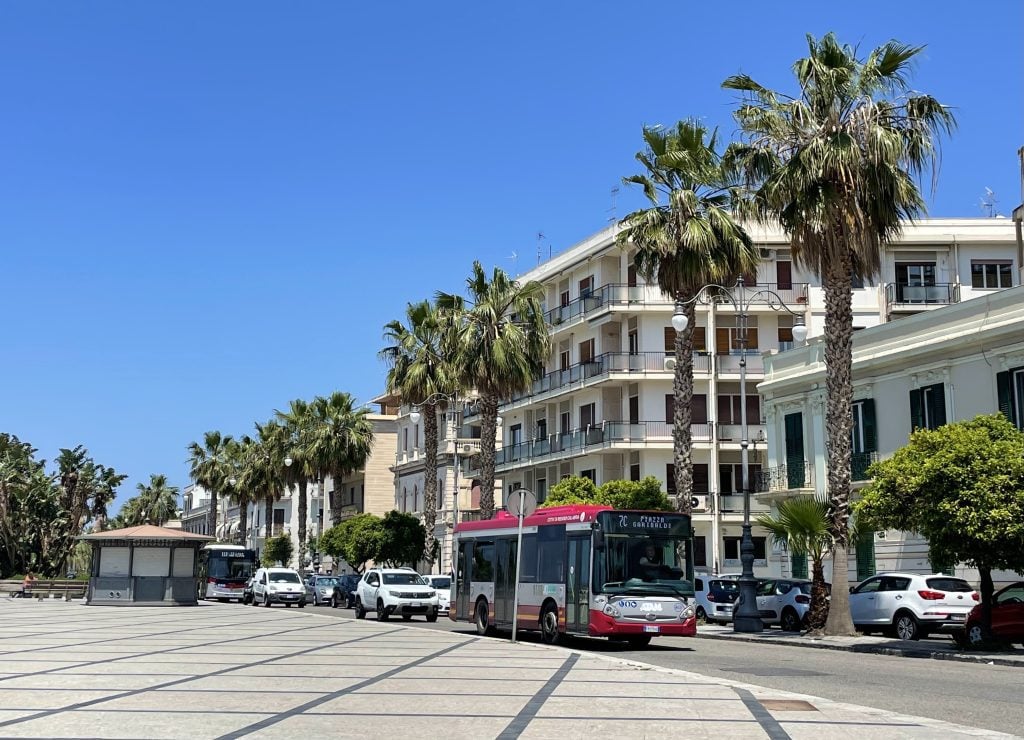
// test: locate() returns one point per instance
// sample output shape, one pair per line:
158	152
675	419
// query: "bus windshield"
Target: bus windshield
229	566
645	565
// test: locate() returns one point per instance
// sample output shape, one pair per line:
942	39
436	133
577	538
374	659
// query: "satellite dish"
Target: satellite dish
528	500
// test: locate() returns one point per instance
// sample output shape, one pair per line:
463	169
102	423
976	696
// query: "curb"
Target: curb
877	650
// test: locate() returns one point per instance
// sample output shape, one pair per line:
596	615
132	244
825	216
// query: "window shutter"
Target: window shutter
795	450
670	405
916	410
670	339
870	427
699	409
799	563
722	341
700	339
1003	392
700	478
937	406
865	555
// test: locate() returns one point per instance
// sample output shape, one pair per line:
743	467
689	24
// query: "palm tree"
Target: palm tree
802	527
339	442
838	166
298	422
500	348
420	372
238	454
156	502
686	239
211	469
261	472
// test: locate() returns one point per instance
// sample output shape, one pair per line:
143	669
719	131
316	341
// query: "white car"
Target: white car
278	586
401	591
911	606
443	585
785	602
715	597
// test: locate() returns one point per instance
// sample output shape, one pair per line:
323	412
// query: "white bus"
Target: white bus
586	570
224	571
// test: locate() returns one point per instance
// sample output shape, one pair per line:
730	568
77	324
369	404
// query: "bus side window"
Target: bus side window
528	566
483	560
551	554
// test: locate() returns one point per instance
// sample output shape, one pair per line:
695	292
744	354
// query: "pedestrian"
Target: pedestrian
26	584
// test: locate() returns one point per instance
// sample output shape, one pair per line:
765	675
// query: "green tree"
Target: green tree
277	550
86	489
262	470
837	167
356	540
239	453
156	503
802	527
421	373
211	468
960	486
404	539
685	239
500	348
576	489
340	439
642	495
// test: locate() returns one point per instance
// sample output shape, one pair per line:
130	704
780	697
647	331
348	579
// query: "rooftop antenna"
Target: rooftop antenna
540	239
612	214
988	203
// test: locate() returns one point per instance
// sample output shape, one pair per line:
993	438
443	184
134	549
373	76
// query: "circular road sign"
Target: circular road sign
527	499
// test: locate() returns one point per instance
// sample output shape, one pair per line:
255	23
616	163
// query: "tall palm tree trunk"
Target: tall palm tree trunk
301	512
243	519
838	425
488	434
682	413
818	612
268	516
430	482
211	515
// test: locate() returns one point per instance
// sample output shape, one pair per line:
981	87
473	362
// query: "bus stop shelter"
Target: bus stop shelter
144	566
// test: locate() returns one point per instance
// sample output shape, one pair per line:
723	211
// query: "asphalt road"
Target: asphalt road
985	696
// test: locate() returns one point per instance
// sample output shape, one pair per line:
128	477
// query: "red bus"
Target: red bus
586	570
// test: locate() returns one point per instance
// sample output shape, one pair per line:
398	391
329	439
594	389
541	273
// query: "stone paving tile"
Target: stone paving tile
48	699
250	683
129	725
585	728
421	706
52	681
362	726
204	701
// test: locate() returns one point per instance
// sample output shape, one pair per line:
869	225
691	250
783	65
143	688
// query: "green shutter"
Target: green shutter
937	406
799	566
916	410
1005	397
865	555
939	566
870	428
795	449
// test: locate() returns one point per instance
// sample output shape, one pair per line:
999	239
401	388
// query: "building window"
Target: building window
730	477
729	408
784	274
542	489
586	286
728	336
416	436
278	522
992	274
588	415
542	429
563	299
699	339
634	472
440	494
701	478
1010	392
928	407
698	408
587	351
700	552
915	274
405	439
591	473
732	548
563	360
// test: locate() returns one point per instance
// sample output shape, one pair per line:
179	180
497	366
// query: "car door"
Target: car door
1008	613
863	598
766	599
369	589
892	595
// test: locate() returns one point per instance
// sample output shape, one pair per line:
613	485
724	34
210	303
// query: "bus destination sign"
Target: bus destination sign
631	522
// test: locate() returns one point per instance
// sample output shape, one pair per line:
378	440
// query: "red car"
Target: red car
1007	616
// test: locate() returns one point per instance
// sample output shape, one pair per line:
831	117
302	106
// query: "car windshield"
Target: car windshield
956	585
326	582
284	578
403	579
729	586
644	565
441	582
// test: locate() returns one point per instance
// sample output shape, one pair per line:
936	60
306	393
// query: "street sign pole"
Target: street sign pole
521	508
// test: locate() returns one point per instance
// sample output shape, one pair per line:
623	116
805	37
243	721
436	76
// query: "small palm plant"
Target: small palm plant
802	527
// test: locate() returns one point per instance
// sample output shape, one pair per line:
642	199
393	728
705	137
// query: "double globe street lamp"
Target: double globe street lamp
746	617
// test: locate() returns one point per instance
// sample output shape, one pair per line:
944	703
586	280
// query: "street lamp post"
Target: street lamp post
746	617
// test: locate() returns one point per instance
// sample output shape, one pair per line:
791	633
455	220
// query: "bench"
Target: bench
42	589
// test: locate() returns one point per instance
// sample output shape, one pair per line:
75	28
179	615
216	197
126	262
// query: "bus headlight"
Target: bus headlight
611	611
688	613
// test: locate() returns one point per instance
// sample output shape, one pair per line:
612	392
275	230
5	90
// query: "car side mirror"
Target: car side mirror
598	538
852	589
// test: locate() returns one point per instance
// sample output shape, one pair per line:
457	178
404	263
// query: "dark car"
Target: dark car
1007	616
247	591
344	591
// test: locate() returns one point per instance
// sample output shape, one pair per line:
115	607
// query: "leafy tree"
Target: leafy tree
686	238
299	424
500	348
802	527
277	550
421	373
211	468
642	495
156	503
961	486
403	541
86	489
356	540
340	438
837	166
262	469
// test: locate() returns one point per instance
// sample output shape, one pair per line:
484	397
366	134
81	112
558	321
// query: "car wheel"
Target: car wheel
975	635
382	611
407	617
334	601
483	626
790	622
549	625
906	627
287	604
266	600
432	617
702	615
638	641
360	611
302	604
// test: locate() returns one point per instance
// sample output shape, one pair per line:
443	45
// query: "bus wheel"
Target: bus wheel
483	626
549	625
638	641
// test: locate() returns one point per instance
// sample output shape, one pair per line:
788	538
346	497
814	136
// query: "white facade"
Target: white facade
924	370
603	408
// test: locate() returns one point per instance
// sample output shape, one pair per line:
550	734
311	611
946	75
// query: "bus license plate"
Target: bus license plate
652	628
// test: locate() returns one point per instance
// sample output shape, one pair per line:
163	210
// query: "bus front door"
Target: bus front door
504	581
462	578
577	587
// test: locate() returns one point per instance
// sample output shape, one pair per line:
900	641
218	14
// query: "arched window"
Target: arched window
405	499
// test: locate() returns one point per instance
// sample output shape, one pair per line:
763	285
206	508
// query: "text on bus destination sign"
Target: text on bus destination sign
644	521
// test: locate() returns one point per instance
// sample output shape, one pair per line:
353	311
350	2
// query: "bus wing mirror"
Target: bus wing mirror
598	539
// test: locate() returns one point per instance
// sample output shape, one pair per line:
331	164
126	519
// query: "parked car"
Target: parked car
443	585
387	591
345	591
715	597
785	602
1007	616
247	591
278	586
911	606
320	589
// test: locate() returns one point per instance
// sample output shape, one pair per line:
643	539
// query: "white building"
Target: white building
937	367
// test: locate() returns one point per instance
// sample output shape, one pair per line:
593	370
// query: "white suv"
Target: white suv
277	586
911	606
388	591
443	585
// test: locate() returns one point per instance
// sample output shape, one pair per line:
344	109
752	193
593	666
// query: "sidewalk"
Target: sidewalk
938	649
226	671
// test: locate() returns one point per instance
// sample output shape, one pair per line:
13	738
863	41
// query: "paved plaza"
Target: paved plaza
226	671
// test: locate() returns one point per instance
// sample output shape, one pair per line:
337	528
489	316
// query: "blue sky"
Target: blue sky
208	209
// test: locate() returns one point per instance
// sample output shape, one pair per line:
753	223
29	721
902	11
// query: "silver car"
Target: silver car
320	589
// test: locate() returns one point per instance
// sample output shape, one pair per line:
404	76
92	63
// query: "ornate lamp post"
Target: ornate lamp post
746	617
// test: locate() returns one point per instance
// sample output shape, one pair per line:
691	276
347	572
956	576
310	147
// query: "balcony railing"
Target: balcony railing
733	504
859	464
734	432
730	363
788	477
938	294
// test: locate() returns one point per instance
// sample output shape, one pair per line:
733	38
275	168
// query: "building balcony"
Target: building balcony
733	433
730	364
792	294
732	503
794	476
904	298
859	464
